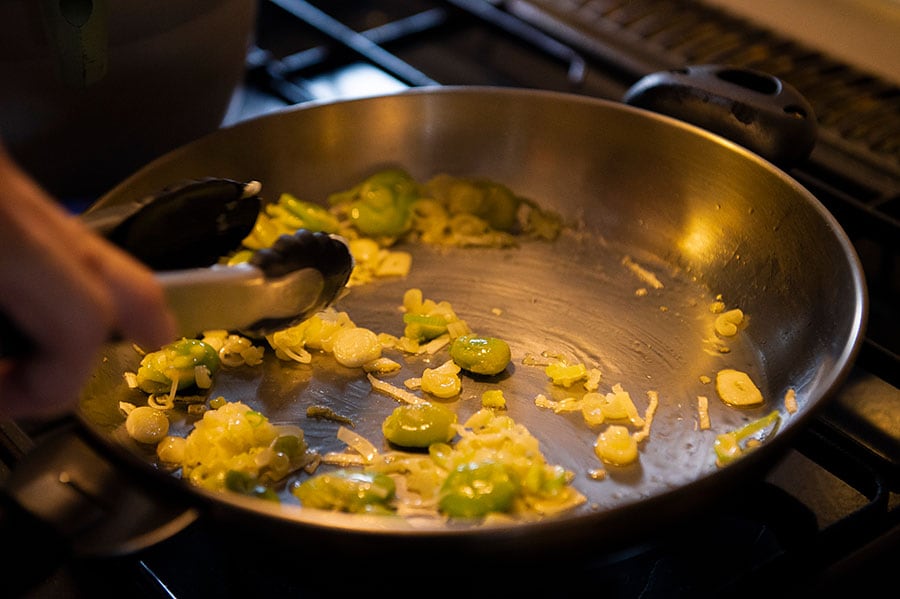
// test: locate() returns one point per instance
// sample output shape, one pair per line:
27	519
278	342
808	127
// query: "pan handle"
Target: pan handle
754	109
62	499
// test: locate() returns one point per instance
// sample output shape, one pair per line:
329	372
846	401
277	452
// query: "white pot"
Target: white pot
93	89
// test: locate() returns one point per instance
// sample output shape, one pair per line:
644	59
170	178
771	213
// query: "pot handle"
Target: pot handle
754	109
63	499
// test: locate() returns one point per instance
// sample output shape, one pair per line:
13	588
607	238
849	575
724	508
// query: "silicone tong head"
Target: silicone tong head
188	225
292	255
183	231
279	287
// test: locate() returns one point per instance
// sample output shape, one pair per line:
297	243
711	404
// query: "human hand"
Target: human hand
69	290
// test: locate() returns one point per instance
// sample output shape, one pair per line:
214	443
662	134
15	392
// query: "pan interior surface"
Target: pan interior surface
664	220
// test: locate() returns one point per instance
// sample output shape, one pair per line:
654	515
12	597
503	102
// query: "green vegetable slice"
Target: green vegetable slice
475	489
481	355
381	204
490	201
419	425
347	491
245	484
176	362
312	216
424	327
292	446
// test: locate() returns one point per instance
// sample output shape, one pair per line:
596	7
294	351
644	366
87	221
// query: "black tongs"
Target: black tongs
183	231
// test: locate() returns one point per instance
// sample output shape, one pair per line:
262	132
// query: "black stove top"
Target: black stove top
824	519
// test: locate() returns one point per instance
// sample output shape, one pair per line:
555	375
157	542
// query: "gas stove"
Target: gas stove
826	517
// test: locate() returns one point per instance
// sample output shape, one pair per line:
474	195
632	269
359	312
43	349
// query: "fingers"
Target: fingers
62	310
139	305
69	291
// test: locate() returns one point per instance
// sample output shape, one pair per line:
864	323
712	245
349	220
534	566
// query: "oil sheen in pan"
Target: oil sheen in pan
645	324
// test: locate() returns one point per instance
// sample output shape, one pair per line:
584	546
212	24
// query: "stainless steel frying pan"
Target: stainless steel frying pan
704	215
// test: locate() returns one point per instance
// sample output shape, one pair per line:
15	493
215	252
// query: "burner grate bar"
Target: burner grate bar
531	35
355	41
269	73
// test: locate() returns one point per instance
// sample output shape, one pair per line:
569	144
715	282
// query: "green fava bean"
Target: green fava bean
245	484
382	204
347	491
419	425
475	489
176	362
481	355
499	207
